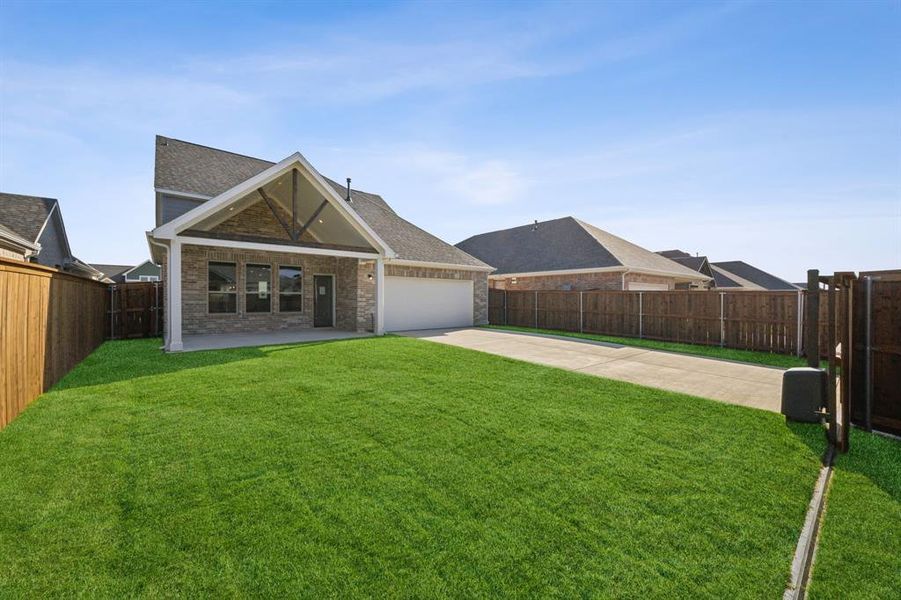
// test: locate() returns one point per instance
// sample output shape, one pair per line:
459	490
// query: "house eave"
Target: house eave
614	269
437	265
271	247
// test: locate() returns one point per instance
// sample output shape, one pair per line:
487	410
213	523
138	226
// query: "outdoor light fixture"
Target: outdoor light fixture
369	277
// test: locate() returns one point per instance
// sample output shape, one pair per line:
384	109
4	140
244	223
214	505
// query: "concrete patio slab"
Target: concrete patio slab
743	384
218	341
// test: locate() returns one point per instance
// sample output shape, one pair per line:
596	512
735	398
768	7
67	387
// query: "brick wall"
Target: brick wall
479	284
196	318
366	295
258	220
5	253
642	278
576	281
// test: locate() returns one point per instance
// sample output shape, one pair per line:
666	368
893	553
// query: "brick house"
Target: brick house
248	245
569	254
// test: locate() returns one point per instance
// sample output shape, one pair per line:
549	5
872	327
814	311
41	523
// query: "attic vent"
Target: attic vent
349	199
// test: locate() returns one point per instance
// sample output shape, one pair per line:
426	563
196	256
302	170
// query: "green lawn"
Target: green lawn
391	467
771	359
859	554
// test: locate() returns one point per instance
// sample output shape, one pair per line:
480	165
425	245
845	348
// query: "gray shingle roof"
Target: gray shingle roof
756	276
190	168
564	244
11	236
692	262
25	215
722	280
112	271
674	254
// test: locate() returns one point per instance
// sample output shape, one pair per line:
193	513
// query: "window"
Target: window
223	287
148	278
257	285
290	289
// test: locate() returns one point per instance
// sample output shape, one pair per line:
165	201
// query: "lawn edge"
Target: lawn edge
805	551
579	338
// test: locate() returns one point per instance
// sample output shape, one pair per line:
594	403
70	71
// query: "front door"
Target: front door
323	301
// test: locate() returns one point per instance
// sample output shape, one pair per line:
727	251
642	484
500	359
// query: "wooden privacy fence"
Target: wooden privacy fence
135	310
49	322
765	321
875	378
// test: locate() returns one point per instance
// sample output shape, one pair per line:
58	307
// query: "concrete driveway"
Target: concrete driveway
735	383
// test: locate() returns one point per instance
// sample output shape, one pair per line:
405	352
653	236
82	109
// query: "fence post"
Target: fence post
813	318
536	309
722	321
156	307
505	306
580	313
868	374
112	305
640	317
800	321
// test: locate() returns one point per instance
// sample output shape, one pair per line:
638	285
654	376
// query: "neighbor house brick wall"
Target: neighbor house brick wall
642	278
196	318
479	284
575	281
5	253
258	220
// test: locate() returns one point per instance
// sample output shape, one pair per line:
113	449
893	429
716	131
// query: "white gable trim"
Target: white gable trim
174	227
55	210
188	195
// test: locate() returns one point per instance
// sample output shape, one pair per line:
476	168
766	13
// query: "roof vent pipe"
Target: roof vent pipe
348	190
535	225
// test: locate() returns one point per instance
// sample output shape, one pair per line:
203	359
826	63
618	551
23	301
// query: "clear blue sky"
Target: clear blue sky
768	132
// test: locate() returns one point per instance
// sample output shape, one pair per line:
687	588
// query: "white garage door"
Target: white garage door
635	286
420	303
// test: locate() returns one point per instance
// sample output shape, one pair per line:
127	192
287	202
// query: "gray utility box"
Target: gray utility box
803	394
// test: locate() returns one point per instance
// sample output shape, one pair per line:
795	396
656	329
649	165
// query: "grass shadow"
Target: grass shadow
875	457
123	360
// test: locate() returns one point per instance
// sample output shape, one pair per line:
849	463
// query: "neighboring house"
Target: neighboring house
695	263
146	271
569	254
733	275
248	245
39	222
739	275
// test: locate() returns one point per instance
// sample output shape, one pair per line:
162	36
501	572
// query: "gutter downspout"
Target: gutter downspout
153	242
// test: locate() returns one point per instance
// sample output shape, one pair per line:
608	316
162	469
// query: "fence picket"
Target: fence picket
766	321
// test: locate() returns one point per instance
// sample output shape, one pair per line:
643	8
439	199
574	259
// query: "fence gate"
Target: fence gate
136	310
